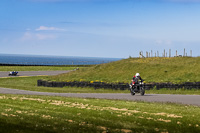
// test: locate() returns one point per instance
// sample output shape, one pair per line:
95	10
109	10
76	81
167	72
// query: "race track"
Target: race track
33	73
163	98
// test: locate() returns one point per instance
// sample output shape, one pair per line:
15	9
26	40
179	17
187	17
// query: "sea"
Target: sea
52	60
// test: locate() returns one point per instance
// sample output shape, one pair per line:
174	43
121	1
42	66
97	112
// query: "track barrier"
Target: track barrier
119	86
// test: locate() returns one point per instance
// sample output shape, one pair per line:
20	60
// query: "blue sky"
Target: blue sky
99	28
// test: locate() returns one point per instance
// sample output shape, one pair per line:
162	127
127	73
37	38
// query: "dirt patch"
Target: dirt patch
102	128
126	131
174	116
47	116
167	121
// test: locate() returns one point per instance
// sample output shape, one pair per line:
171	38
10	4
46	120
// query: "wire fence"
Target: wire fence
164	53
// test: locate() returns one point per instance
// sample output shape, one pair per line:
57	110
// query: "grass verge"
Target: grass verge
29	114
30	83
35	68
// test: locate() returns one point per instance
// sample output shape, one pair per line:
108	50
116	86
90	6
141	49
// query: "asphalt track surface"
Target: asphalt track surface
163	98
32	73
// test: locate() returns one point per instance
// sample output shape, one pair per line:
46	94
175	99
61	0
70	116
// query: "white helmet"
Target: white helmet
137	74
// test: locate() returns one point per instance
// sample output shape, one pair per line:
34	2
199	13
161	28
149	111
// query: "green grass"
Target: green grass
20	113
35	68
30	83
176	70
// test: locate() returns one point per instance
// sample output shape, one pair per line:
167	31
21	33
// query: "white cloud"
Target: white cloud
42	28
28	36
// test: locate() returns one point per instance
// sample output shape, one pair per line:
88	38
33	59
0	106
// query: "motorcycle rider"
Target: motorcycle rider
135	80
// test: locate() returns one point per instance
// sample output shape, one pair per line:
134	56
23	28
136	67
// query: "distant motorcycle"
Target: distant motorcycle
14	73
137	88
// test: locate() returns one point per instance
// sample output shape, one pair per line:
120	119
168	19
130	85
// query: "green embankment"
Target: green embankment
30	114
176	70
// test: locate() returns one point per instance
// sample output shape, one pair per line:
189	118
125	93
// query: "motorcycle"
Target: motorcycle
14	73
137	88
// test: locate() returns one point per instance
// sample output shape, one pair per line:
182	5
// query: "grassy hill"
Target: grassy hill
176	70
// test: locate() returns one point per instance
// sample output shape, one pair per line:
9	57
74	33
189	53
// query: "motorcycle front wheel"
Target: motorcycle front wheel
132	92
142	91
